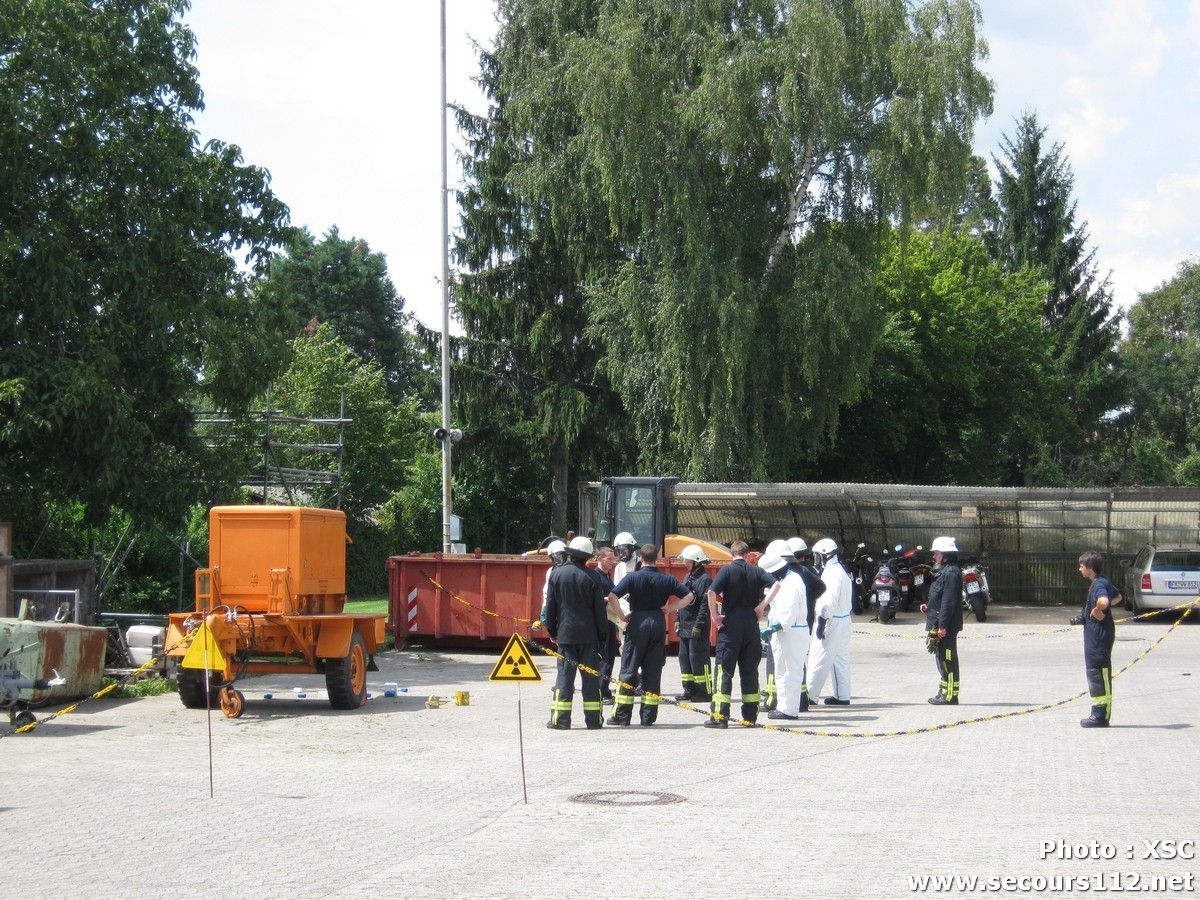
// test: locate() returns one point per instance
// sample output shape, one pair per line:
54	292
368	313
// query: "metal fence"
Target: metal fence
1028	538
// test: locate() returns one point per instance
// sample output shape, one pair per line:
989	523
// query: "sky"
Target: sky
339	100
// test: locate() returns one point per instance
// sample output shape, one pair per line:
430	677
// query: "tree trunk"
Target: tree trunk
558	490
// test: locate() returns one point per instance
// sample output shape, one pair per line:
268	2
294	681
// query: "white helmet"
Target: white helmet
797	546
693	553
555	546
772	562
778	548
944	545
625	539
825	547
581	548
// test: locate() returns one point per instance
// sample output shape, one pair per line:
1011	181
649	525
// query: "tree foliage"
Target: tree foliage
344	283
743	158
1161	360
120	291
962	389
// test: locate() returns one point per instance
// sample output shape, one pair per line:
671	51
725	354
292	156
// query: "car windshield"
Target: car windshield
1175	560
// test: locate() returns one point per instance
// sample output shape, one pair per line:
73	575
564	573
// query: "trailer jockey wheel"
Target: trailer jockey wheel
233	702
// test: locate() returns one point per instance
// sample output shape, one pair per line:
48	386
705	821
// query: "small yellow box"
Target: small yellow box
462	698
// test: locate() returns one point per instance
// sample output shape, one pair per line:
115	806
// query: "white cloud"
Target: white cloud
1086	124
1132	28
1174	208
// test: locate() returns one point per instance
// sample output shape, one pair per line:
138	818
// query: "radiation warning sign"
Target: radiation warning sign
204	652
515	663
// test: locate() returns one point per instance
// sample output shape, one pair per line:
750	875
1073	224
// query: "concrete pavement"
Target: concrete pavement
396	800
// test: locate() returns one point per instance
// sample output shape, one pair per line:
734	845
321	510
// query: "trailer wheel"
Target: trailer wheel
191	689
346	678
233	702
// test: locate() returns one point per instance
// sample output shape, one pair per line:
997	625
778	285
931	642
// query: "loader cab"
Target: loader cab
645	507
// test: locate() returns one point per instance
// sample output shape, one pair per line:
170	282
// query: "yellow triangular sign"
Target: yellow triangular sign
204	643
515	663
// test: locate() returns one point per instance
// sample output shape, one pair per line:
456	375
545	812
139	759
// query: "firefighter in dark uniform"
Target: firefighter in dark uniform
802	563
576	619
606	564
644	649
692	626
1099	633
739	588
944	619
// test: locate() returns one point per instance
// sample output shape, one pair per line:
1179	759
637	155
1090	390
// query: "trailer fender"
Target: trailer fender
334	640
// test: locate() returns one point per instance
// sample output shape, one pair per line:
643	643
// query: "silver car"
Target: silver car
1162	577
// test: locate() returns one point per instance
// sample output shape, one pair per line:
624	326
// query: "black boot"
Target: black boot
1096	720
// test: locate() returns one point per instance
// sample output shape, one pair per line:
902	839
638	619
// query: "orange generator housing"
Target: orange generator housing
272	600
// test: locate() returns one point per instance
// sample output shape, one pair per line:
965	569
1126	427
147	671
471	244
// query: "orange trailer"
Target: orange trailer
271	601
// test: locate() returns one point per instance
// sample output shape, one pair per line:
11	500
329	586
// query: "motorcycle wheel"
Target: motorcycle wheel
887	614
979	608
856	604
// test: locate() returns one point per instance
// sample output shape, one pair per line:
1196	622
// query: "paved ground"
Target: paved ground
396	800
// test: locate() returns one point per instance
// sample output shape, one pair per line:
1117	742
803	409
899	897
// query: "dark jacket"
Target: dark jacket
945	600
1098	637
740	587
575	607
696	612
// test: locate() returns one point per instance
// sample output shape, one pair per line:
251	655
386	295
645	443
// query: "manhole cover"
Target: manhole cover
628	798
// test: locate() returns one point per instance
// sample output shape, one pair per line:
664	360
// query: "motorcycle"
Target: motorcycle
921	567
975	592
861	566
886	590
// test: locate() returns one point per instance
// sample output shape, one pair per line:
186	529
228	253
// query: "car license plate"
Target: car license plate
918	580
1183	585
972	587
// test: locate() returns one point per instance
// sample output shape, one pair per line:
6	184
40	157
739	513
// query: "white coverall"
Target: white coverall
833	652
789	645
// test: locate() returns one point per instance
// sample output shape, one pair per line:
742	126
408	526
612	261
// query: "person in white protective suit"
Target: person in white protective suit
831	648
770	695
787	625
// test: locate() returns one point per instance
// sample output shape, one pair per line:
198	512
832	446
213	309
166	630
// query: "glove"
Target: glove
932	642
772	627
821	628
1076	620
697	632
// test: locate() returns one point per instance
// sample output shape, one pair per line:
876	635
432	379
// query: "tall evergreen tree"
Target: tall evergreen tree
1037	227
526	357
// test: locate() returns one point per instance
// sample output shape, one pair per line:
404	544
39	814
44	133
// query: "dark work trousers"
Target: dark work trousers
1100	687
564	686
947	666
1097	660
771	697
738	645
644	652
608	655
693	665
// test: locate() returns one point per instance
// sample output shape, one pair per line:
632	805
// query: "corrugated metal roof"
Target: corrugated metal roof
1030	537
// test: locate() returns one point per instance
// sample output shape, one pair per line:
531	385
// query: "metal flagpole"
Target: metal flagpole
447	500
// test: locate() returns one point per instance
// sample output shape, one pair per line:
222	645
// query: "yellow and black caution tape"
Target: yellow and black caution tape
812	732
107	689
1002	636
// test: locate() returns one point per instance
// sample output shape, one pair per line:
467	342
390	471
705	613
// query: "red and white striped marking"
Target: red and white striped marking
412	611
